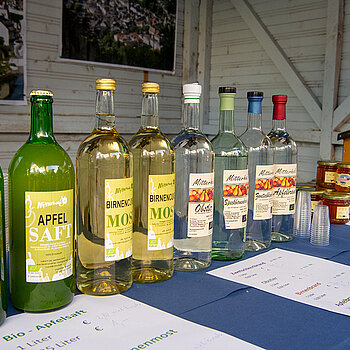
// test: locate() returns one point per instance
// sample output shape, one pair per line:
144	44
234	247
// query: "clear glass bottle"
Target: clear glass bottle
104	203
194	188
231	184
154	187
285	168
41	216
261	171
3	272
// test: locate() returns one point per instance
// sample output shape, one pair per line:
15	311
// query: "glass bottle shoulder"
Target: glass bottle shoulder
39	159
191	139
255	138
151	139
228	144
281	139
102	144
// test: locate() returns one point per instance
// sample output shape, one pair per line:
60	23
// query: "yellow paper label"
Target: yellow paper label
49	235
342	213
161	190
329	176
118	218
314	203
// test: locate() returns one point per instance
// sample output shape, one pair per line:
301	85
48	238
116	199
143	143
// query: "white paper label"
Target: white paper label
263	195
200	206
284	191
235	193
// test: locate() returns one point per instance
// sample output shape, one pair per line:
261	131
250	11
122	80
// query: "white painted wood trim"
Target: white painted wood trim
204	57
341	114
190	43
280	59
331	75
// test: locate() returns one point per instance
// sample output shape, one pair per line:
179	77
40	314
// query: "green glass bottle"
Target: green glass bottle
3	273
104	203
41	216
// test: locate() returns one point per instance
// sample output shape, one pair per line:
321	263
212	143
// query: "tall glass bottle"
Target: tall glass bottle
104	203
285	167
154	187
3	272
194	188
260	168
231	184
41	216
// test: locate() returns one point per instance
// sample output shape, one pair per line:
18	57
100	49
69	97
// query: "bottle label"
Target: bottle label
49	235
2	242
235	193
284	191
161	200
329	177
342	213
343	180
200	206
118	218
263	195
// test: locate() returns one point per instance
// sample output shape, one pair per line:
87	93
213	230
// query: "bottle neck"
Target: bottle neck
149	114
41	120
226	118
105	117
278	124
279	116
191	115
254	113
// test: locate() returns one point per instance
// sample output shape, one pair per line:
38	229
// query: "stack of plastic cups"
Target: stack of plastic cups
320	226
302	221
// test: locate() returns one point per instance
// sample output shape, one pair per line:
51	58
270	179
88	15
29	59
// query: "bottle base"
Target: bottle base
280	237
252	245
190	264
143	272
225	255
103	287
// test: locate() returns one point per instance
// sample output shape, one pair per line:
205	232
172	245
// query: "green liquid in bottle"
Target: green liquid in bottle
3	286
41	216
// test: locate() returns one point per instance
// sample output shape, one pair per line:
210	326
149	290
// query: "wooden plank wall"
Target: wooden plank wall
73	85
237	58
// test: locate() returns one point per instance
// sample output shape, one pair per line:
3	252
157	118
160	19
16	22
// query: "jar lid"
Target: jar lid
150	87
41	93
105	84
328	162
343	165
337	195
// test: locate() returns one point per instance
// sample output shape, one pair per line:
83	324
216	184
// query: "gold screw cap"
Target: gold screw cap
105	84
150	87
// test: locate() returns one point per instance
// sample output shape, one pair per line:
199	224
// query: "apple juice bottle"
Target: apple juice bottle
3	272
231	184
194	188
154	187
104	203
285	168
41	216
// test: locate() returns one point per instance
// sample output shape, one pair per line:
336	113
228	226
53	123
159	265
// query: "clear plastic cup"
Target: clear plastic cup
320	227
302	219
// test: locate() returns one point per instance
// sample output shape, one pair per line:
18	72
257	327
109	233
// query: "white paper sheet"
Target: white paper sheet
116	322
304	278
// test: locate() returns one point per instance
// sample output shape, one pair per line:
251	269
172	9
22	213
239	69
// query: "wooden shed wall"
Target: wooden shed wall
73	85
238	58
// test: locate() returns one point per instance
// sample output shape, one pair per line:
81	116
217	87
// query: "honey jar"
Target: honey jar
342	182
326	172
338	204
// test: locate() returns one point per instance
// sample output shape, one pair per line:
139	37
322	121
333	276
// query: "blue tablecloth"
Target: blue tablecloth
258	317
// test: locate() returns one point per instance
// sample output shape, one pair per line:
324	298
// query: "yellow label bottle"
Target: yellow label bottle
104	203
154	187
